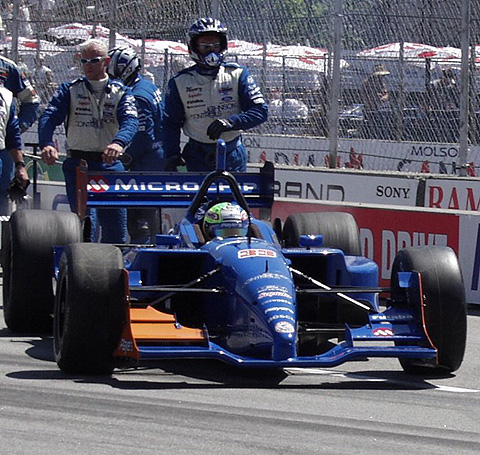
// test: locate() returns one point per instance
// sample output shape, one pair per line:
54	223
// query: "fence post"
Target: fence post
112	25
15	30
335	95
464	87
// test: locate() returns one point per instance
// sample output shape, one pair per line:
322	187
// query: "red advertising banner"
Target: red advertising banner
384	231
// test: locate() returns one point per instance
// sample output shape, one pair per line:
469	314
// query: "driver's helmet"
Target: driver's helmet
124	64
225	220
207	25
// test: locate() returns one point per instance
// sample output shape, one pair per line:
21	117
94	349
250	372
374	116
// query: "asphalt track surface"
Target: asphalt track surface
185	407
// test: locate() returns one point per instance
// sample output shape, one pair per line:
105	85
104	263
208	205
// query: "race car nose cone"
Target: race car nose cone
284	346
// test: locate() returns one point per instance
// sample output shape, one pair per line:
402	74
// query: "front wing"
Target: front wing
154	335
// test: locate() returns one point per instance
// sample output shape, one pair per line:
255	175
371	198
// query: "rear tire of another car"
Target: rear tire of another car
90	308
28	265
339	230
445	309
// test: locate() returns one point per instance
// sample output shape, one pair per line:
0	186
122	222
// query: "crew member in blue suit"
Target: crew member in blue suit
145	153
10	136
100	120
210	100
29	104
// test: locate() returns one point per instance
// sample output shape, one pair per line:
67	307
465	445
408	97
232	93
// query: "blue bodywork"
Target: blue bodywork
257	303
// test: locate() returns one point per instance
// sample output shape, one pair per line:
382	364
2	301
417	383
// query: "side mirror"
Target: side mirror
311	241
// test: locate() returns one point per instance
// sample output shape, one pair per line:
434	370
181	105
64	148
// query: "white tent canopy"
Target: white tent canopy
415	53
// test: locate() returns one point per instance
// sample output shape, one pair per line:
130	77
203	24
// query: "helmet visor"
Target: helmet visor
229	232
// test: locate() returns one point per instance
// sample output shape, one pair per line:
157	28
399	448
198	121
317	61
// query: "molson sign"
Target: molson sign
365	154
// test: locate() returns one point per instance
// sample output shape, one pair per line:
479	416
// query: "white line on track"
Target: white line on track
362	377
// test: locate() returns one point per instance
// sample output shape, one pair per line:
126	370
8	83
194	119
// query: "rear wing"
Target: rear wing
171	189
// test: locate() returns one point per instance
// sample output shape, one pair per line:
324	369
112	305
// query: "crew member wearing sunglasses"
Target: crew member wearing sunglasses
100	121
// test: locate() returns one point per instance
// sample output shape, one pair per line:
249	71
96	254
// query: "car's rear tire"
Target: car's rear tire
339	230
28	265
445	306
90	308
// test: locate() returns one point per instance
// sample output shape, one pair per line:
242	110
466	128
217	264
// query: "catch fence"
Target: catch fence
312	59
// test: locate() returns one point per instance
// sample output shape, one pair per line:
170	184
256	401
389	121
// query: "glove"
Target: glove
126	160
217	127
173	162
17	192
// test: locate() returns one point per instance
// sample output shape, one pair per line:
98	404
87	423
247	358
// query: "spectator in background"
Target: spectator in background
209	101
145	152
25	26
376	104
74	71
148	75
374	92
23	67
43	79
445	93
2	30
19	84
101	120
287	108
444	107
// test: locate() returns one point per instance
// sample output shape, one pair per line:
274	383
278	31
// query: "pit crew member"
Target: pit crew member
210	100
29	104
100	120
145	153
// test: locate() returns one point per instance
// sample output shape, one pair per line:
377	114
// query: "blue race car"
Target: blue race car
225	284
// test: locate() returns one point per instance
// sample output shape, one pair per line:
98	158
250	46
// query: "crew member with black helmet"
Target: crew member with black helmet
210	100
145	152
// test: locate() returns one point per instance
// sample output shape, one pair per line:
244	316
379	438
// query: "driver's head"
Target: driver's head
225	220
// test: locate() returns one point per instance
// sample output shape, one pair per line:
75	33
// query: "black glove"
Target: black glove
173	162
217	127
17	192
126	160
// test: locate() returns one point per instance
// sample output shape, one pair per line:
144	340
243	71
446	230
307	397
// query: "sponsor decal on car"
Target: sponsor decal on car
267	276
277	308
392	317
126	345
257	252
264	295
383	332
272	287
134	185
97	185
284	327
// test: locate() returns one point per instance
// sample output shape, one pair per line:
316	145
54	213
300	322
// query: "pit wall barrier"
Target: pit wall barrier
393	211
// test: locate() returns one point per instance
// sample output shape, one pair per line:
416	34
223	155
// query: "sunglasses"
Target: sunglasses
206	46
92	60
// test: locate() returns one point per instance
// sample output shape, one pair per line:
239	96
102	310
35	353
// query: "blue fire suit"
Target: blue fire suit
146	153
9	125
194	100
29	105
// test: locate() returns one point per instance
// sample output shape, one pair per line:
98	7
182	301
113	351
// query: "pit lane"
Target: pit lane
191	407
